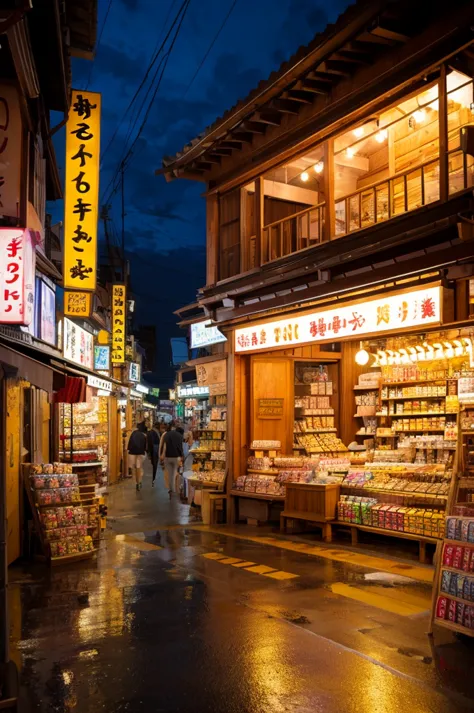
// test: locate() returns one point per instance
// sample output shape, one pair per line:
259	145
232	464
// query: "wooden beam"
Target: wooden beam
259	220
388	34
254	127
285	106
285	192
212	238
231	143
268	117
443	136
329	227
299	95
220	151
241	136
312	85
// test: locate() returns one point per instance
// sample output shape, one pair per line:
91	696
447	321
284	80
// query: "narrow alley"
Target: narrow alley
177	616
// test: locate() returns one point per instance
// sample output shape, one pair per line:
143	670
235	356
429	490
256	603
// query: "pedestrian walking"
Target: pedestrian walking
171	456
153	438
136	453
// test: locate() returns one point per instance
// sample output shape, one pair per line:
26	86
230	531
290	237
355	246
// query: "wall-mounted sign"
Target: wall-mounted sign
77	304
142	389
99	383
10	151
82	191
17	276
134	371
47	318
172	394
270	408
214	372
103	337
184	391
118	323
78	345
155	392
203	334
383	314
101	358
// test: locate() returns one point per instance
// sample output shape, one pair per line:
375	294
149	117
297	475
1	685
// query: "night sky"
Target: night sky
165	222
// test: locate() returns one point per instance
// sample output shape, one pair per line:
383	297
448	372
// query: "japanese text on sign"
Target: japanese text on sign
77	304
389	313
17	276
10	150
78	345
118	323
270	408
82	191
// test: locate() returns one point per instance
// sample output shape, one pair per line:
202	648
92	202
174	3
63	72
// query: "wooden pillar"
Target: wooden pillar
349	375
329	229
443	136
212	239
260	249
462	300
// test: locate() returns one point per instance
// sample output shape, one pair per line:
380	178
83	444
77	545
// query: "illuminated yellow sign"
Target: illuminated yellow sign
103	337
119	305
77	304
82	191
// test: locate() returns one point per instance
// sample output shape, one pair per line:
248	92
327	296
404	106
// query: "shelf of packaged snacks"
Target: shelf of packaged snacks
415	430
257	496
400	493
413	381
408	414
263	472
362	433
72	558
455	571
392	533
315	430
459	628
366	388
410	398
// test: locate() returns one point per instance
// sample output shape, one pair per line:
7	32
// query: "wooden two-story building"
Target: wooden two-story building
338	205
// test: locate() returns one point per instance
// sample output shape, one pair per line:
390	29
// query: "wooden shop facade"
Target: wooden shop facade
340	267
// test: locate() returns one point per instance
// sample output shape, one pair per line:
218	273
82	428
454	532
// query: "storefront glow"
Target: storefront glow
425	352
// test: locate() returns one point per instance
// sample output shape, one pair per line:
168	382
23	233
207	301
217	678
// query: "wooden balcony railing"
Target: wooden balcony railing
292	234
388	198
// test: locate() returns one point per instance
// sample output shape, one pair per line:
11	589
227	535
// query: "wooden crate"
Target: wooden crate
319	501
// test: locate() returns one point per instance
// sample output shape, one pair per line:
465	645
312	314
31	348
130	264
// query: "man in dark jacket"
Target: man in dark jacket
136	454
171	455
153	446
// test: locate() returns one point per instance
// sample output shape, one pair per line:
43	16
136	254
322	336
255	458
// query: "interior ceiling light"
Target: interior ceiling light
318	167
350	152
304	176
359	132
419	115
381	135
362	357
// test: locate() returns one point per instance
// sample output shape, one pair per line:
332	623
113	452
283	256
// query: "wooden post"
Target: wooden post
329	230
212	239
259	221
443	136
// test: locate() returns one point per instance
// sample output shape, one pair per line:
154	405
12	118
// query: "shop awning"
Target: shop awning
22	366
77	370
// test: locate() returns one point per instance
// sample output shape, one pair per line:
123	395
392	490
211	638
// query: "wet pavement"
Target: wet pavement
175	616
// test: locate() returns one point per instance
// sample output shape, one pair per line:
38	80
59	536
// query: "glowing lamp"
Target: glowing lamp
419	115
362	357
350	153
380	136
319	167
304	176
359	132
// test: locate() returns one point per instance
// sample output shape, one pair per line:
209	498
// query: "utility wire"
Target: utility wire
209	49
126	156
98	43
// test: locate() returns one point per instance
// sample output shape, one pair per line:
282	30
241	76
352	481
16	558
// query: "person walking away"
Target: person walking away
136	453
171	455
153	447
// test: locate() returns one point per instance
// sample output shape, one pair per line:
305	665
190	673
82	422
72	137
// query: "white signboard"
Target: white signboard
17	276
185	391
78	345
203	335
383	314
98	383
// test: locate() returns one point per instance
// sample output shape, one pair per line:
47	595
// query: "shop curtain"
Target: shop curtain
73	391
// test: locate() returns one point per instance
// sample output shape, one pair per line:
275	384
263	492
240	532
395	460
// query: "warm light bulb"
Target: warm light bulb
419	115
413	354
350	152
304	176
421	353
362	357
318	167
382	357
381	135
359	132
458	348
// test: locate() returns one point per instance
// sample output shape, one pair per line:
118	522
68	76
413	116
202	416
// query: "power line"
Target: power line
98	42
123	160
209	49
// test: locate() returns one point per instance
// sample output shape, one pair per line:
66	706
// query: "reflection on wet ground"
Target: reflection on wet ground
187	619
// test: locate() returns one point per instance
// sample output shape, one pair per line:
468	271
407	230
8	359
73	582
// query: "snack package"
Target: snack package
442	607
451	528
466	559
446	581
453	585
470	534
458	557
451	610
460	607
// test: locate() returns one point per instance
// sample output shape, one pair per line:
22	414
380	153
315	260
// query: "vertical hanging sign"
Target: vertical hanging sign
118	323
17	276
82	191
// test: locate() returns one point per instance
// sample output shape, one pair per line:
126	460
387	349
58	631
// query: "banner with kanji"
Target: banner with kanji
82	191
17	276
119	306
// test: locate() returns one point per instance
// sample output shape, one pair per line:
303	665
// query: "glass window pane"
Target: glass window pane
382	202
431	182
414	198
367	208
340	218
354	213
456	172
314	225
398	196
460	100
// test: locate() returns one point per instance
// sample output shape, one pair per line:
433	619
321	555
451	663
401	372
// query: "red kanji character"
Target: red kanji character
313	329
428	308
254	339
13	268
247	340
403	311
336	324
277	331
383	314
13	247
263	337
322	326
357	321
11	295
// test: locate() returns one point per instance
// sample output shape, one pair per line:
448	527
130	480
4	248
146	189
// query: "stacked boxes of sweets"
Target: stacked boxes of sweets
314	423
212	475
68	527
370	512
314	405
457	569
264	463
320	442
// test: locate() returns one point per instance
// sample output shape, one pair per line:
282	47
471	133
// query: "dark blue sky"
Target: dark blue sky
165	223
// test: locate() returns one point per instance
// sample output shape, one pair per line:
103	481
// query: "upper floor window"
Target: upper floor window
389	164
460	113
